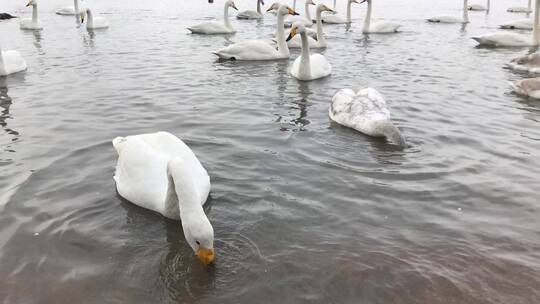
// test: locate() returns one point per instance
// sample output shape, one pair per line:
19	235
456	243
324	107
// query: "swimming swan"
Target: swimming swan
11	62
158	171
69	11
365	111
479	7
528	87
335	19
523	24
93	23
306	66
306	21
521	9
528	63
6	16
260	49
250	15
452	19
214	27
296	41
508	39
379	27
34	23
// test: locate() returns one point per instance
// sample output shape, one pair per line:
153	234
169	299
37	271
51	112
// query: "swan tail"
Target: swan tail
117	143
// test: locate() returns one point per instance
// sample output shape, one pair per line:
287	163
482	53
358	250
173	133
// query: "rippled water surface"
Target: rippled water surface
304	211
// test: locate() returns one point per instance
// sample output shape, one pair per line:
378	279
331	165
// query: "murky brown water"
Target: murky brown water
304	211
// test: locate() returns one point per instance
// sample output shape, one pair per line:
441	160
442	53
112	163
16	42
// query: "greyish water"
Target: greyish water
304	211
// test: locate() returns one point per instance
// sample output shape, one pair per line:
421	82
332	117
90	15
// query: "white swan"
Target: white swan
528	87
305	20
335	19
11	62
528	63
479	7
93	23
379	27
260	49
296	41
214	27
523	24
508	39
452	19
69	10
158	171
306	66
34	23
365	111
250	15
521	9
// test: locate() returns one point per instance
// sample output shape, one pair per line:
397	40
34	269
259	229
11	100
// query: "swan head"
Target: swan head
324	8
83	14
391	132
231	4
281	9
200	236
32	3
297	28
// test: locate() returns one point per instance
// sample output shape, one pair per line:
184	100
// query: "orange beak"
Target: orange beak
205	255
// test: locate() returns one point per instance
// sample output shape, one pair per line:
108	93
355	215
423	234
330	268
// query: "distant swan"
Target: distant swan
305	20
479	7
521	9
452	19
509	39
6	16
379	27
249	15
11	62
68	11
523	24
528	87
159	172
214	27
335	19
296	41
93	23
308	67
260	49
365	111
34	23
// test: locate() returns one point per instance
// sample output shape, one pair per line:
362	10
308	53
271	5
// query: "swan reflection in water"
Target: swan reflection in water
5	104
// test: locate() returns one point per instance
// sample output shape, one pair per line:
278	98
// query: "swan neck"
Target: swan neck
1	61
334	6
305	60
488	4
76	6
536	29
226	16
89	19
259	6
349	5
367	21
308	15
294	5
391	133
465	11
283	49
182	190
529	5
320	35
34	13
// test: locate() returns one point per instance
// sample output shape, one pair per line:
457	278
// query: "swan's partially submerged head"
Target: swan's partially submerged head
281	9
200	236
231	4
32	3
391	132
297	28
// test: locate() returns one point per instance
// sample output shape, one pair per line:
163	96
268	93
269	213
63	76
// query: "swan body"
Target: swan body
453	19
479	7
523	24
260	49
159	172
69	11
11	62
528	87
296	41
6	16
528	63
307	66
335	19
93	23
252	15
380	27
365	111
34	23
306	21
521	9
216	28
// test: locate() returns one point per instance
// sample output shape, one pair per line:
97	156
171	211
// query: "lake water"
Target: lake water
304	210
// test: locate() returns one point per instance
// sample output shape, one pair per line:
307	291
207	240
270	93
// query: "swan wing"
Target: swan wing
333	19
66	11
249	50
445	19
320	67
524	24
384	27
249	15
503	39
210	27
13	62
296	43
